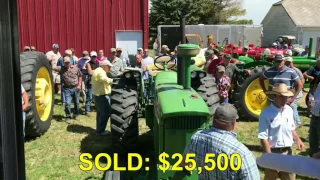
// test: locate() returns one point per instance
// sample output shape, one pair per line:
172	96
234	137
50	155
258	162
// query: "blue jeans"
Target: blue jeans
294	106
226	101
88	98
63	95
24	122
102	104
71	93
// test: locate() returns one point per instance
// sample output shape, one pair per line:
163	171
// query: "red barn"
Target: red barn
84	24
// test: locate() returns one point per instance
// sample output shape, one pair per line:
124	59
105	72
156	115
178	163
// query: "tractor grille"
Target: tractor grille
185	122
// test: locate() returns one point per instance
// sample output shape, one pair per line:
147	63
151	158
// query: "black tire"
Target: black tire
30	63
207	89
240	90
124	117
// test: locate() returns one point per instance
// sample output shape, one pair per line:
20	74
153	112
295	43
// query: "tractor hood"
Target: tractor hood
173	100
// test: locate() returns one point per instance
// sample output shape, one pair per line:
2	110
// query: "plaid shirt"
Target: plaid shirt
222	86
219	141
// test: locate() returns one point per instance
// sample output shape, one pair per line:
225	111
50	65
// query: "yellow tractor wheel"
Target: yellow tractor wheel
249	97
36	78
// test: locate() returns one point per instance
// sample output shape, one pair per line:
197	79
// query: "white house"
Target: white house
299	18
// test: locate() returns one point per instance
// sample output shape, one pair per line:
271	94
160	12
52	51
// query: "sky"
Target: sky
257	9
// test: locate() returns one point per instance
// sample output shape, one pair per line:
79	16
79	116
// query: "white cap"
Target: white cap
105	63
274	44
68	51
140	49
93	53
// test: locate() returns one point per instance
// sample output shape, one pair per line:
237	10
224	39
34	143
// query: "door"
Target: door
129	41
306	37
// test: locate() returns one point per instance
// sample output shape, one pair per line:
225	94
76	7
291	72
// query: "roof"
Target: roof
302	12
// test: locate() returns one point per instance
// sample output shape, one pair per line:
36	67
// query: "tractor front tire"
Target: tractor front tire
207	89
124	117
36	78
249	97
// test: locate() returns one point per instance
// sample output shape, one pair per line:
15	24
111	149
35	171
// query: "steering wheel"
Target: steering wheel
164	59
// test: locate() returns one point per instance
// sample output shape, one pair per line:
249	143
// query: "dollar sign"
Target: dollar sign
164	164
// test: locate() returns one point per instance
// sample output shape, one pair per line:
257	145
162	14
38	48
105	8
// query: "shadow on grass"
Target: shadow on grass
256	148
303	111
58	117
76	128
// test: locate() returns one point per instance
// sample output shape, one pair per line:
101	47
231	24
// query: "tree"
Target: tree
165	12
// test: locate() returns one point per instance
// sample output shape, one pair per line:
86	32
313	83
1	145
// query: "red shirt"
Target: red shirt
212	66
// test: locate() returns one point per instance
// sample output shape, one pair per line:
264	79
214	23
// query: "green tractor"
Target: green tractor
248	95
175	104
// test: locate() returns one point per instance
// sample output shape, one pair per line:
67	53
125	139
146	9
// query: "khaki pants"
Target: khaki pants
273	174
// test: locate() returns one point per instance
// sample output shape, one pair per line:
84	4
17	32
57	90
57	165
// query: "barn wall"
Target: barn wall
307	34
81	24
277	22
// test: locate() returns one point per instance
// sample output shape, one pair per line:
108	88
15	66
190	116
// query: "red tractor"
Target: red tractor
255	53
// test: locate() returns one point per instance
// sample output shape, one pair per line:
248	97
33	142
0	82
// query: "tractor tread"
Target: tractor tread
124	117
239	93
30	63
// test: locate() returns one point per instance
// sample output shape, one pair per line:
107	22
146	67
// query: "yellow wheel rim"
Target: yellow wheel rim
255	99
43	93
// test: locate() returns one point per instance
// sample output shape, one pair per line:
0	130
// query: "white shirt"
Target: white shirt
22	91
54	57
277	126
148	60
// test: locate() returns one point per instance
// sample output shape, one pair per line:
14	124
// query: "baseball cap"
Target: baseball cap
209	52
27	48
113	50
93	53
278	57
55	46
289	59
140	49
68	52
119	49
227	56
85	53
274	44
226	113
105	63
165	47
221	69
66	59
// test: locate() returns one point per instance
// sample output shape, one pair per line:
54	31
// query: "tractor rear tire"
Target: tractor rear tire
124	117
240	94
36	78
207	89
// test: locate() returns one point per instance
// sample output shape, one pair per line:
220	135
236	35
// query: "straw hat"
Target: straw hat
280	89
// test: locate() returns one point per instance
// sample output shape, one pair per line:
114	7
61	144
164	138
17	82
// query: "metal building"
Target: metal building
84	24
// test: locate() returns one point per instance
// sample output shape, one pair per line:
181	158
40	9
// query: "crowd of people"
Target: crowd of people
91	76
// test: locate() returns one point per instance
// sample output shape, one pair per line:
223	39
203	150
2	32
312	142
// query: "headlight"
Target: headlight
127	75
136	74
202	74
193	74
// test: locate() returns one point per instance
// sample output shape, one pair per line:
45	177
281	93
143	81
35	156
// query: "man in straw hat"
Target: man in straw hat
277	128
209	141
101	90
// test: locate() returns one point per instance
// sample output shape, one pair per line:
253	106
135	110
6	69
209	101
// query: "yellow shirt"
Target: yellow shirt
198	60
100	82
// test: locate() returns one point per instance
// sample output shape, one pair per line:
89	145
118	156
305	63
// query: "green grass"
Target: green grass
55	155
